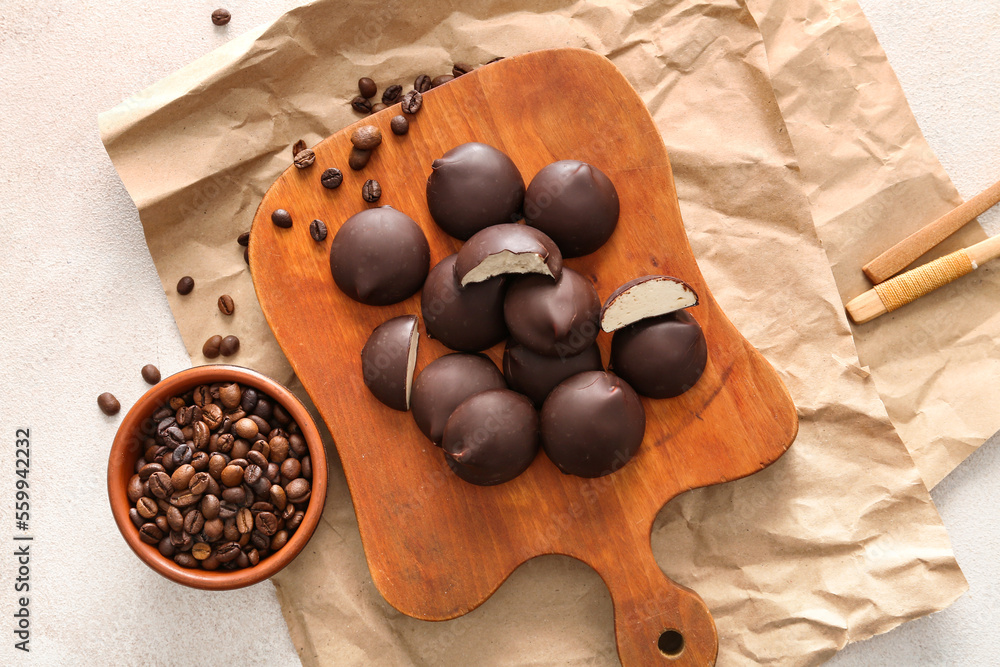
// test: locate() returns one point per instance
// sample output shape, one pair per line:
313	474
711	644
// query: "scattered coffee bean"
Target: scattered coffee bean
378	106
361	105
298	147
226	305
185	285
108	404
332	178
317	230
212	347
440	80
412	101
371	191
230	345
367	87
304	158
358	158
366	137
221	16
243	239
150	373
246	255
422	83
392	94
399	125
458	69
282	218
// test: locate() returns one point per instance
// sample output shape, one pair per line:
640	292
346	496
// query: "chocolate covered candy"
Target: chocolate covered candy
575	203
492	437
641	298
473	186
444	384
592	424
467	319
556	319
536	375
660	357
388	360
379	256
505	250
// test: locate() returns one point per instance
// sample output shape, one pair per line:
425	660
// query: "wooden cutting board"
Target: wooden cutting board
438	547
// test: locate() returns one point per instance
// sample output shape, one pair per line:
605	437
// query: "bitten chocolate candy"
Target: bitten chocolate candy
536	375
507	249
660	357
592	424
388	360
649	296
379	256
473	186
557	319
444	384
492	437
467	319
575	203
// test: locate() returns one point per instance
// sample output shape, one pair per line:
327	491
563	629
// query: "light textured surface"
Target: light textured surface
83	310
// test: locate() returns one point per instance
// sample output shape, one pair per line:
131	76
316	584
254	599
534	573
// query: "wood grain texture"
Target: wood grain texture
436	546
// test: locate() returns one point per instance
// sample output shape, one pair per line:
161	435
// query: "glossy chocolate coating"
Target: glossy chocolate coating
444	384
592	424
513	239
536	375
468	318
385	360
660	357
379	256
473	186
492	437
575	203
553	318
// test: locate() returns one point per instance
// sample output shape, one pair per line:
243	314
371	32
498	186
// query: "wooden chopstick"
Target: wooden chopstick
904	253
907	287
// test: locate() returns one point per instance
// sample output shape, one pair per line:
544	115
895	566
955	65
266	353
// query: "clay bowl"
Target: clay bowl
128	447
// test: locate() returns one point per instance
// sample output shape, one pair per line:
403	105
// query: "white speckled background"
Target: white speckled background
81	310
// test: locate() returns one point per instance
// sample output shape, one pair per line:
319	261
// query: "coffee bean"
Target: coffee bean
257	458
245	428
134	491
251	474
161	522
166	548
193	522
317	230
185	559
209	507
213	528
273	473
240	449
361	105
229	530
371	191
136	518
226	305
246	255
279	449
146	471
108	404
241	559
230	395
187	415
201	395
441	80
331	178
298	147
160	485
458	69
399	125
244	520
181	478
150	533
293	522
298	490
305	158
199	439
298	444
260	541
150	373
366	137
230	346
358	158
412	102
199	483
211	347
227	510
232	475
182	454
278	497
248	399
184	499
228	551
392	94
367	87
146	507
175	519
281	218
422	83
253	556
243	239
221	16
185	285
291	468
201	551
307	467
378	106
279	540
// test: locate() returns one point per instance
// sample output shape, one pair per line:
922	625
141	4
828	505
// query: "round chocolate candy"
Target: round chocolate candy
536	375
467	319
444	384
507	249
492	437
660	357
379	256
592	424
473	186
642	298
557	319
575	203
388	360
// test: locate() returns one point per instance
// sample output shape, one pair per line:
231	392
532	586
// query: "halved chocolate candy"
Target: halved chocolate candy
444	384
467	319
575	203
648	296
557	319
507	249
388	360
661	357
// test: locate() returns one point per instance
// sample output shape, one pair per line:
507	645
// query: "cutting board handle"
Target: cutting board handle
657	621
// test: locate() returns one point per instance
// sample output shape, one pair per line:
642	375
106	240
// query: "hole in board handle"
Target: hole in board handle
671	643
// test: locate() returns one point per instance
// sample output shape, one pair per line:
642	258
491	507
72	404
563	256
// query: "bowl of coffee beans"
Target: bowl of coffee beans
217	477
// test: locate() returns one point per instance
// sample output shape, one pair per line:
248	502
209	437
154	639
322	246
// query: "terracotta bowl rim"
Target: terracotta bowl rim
121	463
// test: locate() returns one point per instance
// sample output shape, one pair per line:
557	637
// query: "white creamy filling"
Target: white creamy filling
506	262
411	362
648	299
